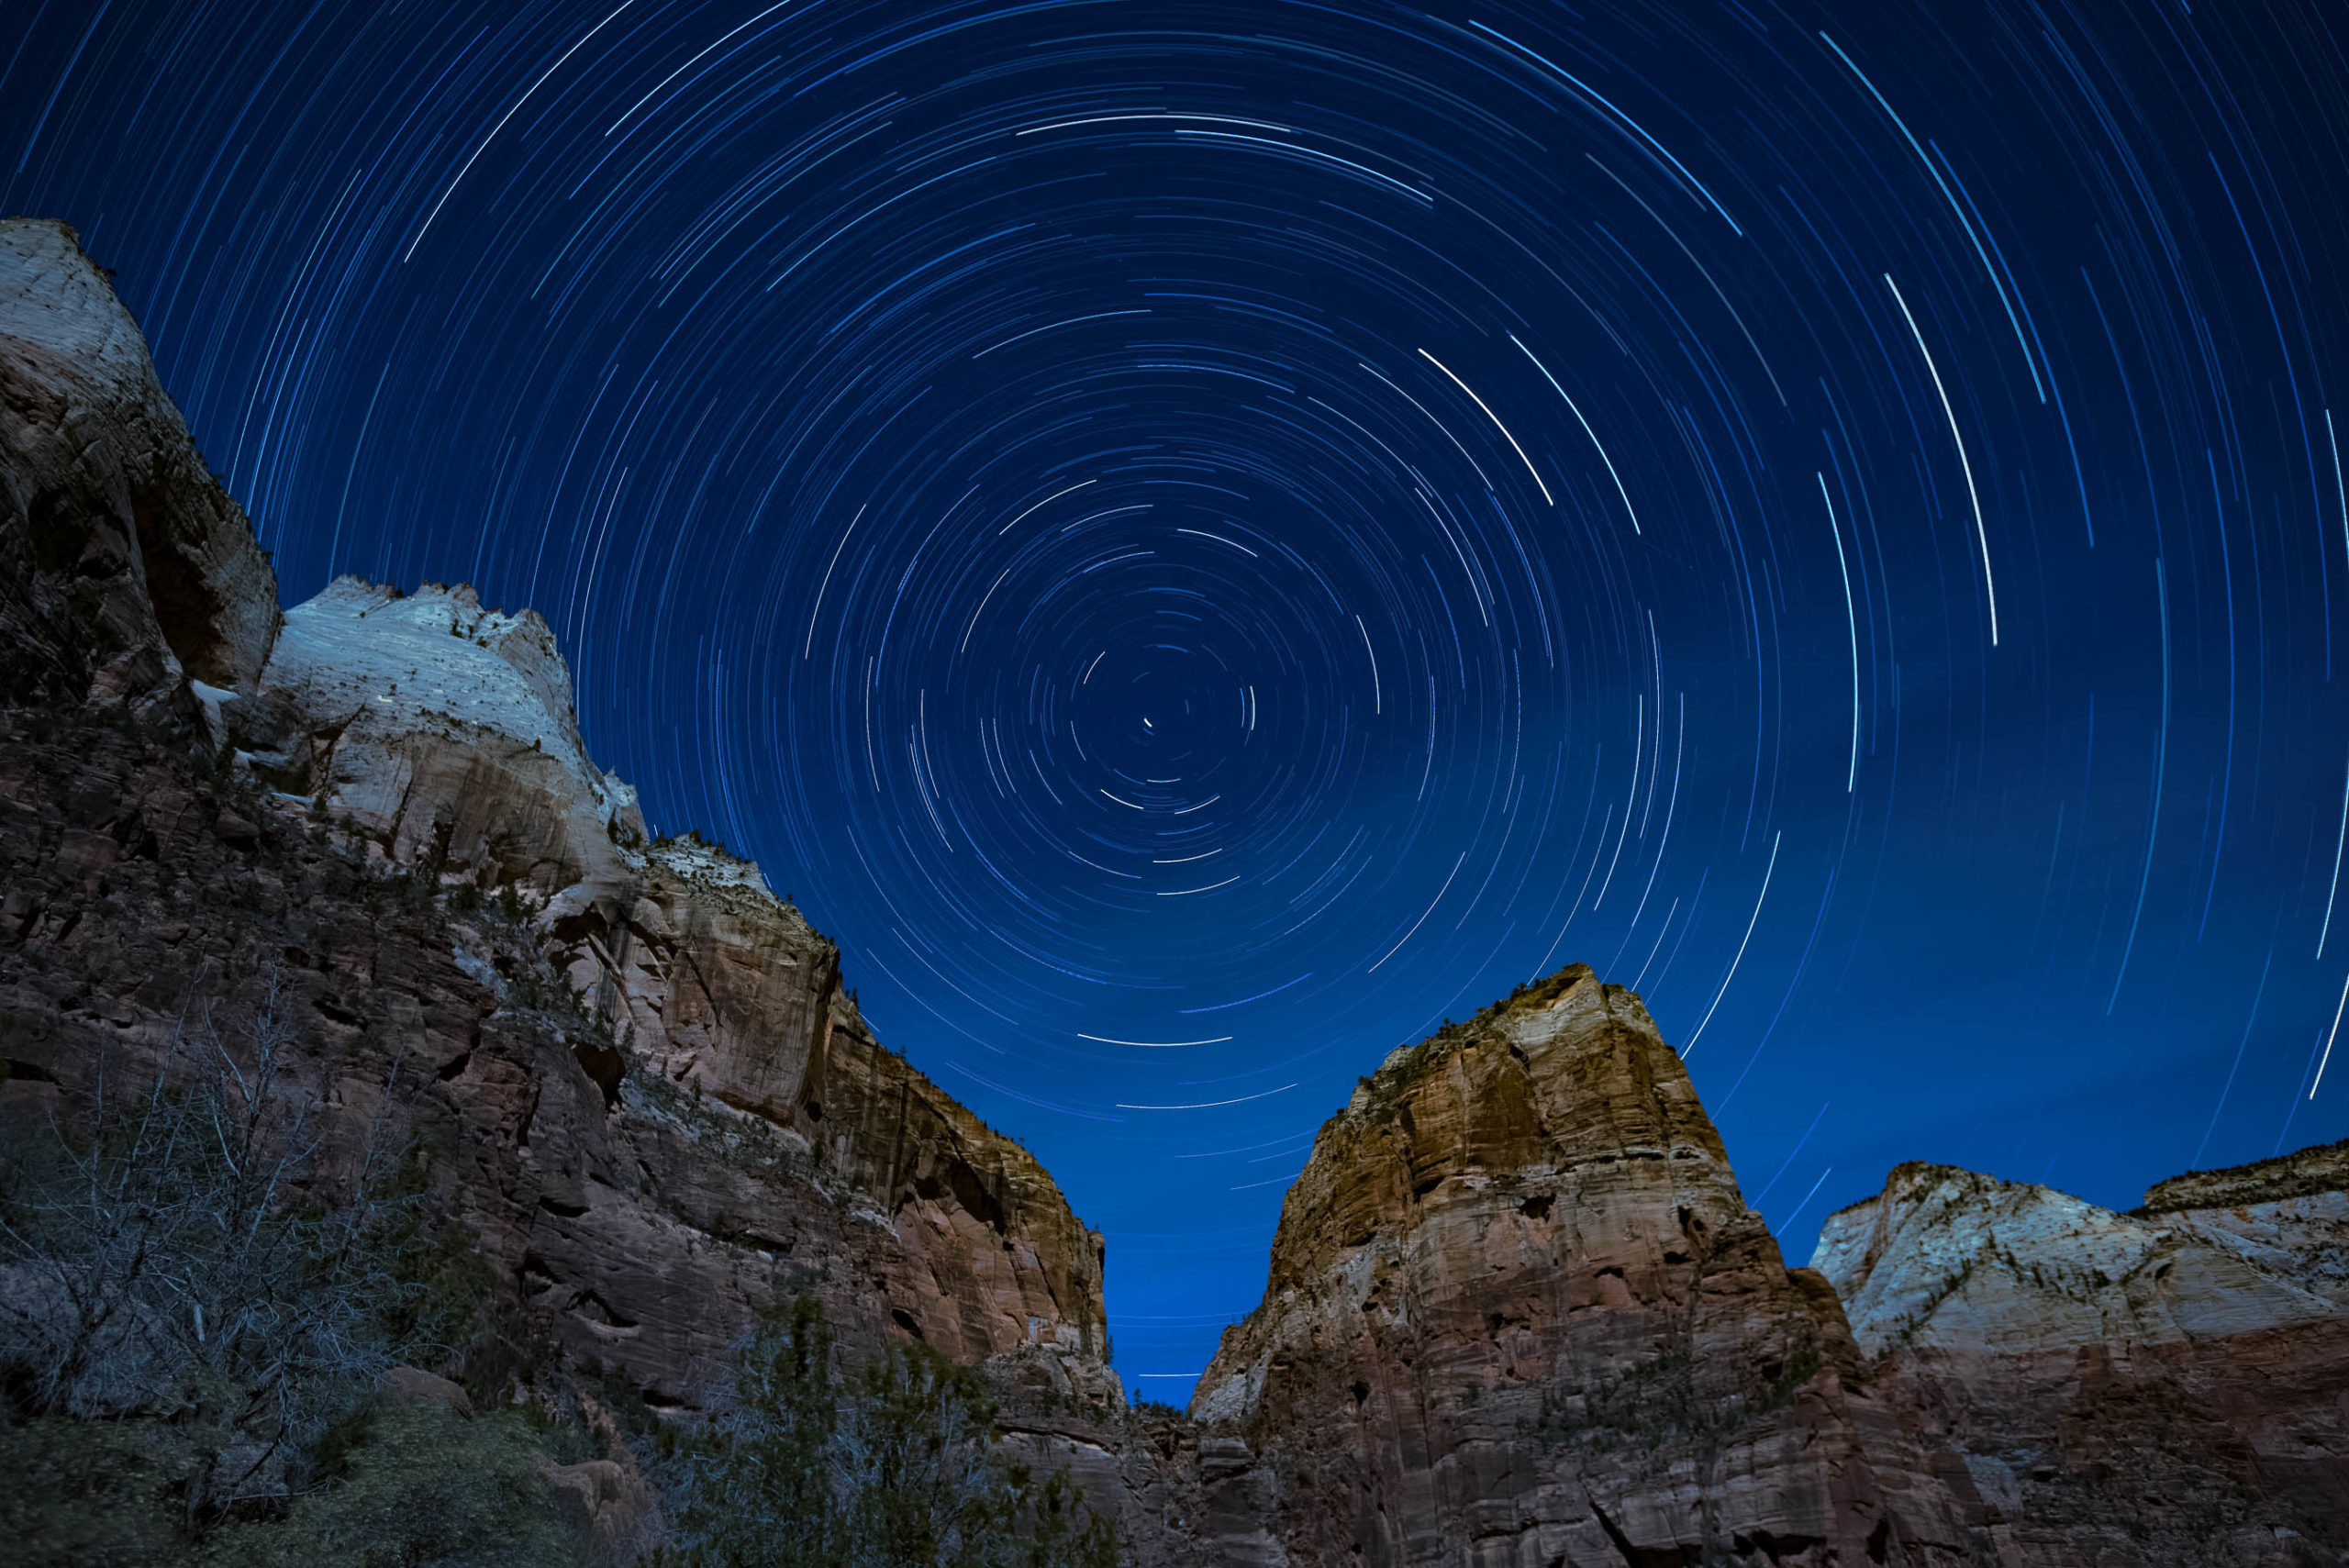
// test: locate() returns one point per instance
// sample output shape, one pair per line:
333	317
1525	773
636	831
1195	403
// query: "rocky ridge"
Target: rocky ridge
2168	1385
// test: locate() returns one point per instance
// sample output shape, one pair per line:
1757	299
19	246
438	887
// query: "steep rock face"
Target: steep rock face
124	567
638	1071
443	729
444	734
2169	1387
1519	1313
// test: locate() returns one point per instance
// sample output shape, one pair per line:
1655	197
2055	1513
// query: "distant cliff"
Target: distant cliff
2167	1386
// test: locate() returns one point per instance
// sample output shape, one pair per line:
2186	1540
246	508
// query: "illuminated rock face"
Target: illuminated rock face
1519	1313
444	734
2167	1386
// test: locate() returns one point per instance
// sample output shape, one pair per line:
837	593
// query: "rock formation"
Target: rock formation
640	1077
124	569
1519	1313
2167	1386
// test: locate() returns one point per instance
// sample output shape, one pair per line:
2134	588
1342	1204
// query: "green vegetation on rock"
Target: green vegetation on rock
895	1467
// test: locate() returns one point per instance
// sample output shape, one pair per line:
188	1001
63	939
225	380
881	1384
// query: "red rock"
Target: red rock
651	1095
1520	1313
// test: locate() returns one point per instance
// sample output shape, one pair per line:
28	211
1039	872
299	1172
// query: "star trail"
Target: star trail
1199	541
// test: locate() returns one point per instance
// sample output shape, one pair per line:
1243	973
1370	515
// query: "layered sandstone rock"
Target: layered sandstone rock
444	731
1519	1313
2165	1387
124	567
639	1073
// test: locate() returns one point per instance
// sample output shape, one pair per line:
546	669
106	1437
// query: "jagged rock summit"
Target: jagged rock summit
1519	1310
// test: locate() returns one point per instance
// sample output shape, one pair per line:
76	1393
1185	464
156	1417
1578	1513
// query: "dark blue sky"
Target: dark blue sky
1199	540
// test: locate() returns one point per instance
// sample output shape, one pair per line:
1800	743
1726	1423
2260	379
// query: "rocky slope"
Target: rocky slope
640	1077
2167	1386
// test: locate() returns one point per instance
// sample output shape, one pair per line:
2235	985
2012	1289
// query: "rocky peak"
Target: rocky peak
2167	1386
1531	1125
1947	1258
444	728
1517	1300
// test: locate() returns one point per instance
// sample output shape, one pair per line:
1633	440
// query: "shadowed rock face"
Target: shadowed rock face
644	1082
1519	1313
2167	1386
124	567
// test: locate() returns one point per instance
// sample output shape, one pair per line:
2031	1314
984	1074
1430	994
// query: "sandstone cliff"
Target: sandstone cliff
1519	1313
638	1069
2168	1387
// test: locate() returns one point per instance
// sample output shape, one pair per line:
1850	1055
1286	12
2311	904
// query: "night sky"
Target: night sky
1199	541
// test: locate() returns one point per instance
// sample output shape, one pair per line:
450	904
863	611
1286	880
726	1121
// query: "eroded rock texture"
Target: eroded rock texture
637	1069
124	567
2169	1387
1519	1314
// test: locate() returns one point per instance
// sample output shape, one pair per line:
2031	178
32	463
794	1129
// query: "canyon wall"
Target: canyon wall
638	1075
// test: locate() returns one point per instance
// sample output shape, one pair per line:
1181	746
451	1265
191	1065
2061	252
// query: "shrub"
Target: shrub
177	1257
898	1469
751	1487
422	1488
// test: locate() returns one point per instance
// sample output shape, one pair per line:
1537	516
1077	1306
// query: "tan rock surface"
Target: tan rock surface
1519	1313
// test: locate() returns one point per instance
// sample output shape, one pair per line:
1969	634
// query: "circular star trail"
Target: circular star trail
1199	541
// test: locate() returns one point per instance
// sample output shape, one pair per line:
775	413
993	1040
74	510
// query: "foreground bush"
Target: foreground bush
896	1469
193	1321
417	1486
